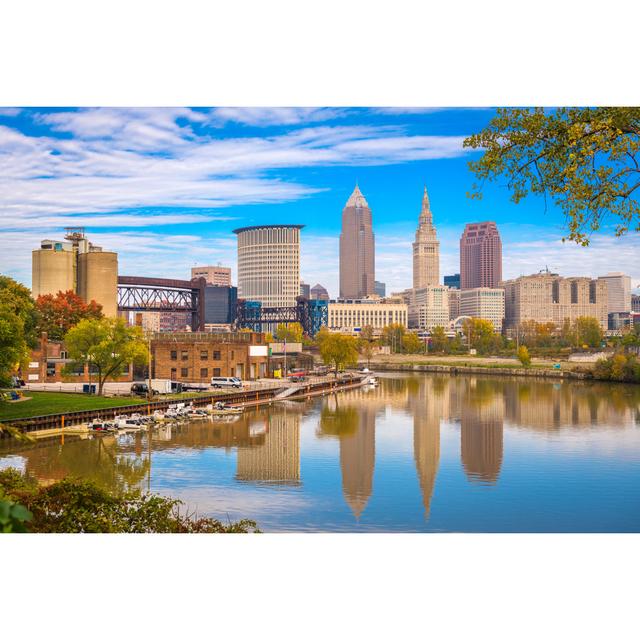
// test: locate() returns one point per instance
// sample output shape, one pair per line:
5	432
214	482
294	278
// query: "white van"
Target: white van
218	383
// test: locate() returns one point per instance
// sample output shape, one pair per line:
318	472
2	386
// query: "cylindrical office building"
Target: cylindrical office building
269	264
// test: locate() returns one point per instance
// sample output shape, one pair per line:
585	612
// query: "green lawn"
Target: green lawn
43	403
46	402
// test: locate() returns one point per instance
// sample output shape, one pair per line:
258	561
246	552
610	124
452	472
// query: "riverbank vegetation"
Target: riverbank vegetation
623	367
81	506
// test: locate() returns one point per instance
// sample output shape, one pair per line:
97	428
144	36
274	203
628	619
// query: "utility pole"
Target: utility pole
285	358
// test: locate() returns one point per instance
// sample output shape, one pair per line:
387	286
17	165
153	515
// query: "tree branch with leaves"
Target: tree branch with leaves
583	159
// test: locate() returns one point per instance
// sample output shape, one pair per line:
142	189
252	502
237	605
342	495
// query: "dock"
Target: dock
75	422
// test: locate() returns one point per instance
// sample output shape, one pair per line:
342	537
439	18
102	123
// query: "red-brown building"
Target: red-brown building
199	356
480	256
46	364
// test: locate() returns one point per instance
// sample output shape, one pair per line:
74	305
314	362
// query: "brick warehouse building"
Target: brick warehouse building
198	356
49	361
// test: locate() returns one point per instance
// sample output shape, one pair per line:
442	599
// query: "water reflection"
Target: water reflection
429	403
444	438
277	459
481	431
354	424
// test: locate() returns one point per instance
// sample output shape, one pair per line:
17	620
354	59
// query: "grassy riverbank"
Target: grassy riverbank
43	403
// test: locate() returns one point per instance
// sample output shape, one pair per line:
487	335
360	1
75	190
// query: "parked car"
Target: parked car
142	389
219	383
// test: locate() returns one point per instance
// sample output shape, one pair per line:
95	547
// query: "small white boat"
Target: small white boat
371	381
103	425
130	423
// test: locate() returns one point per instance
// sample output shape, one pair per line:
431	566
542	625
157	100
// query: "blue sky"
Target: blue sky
165	186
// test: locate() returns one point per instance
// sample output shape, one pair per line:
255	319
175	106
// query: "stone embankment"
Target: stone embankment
530	372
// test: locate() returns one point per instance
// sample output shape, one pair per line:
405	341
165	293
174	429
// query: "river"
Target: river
420	452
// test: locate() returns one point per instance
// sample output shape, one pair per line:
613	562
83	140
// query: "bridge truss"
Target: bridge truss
310	314
165	295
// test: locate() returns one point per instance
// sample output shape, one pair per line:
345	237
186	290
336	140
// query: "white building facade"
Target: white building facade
485	303
349	316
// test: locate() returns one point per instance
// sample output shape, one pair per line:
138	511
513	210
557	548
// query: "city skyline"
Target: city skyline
115	172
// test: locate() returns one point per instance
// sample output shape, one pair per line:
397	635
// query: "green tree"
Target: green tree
480	335
439	340
366	343
567	334
339	350
411	343
17	299
523	356
583	159
588	331
107	345
14	350
289	332
392	336
57	314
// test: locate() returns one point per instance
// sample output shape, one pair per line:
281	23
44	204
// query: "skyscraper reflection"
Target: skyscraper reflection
357	461
429	404
481	420
355	428
277	461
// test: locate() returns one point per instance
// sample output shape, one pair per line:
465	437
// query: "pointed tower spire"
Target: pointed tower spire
425	215
426	249
356	199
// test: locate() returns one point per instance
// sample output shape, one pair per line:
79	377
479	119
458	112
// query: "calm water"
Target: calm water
419	453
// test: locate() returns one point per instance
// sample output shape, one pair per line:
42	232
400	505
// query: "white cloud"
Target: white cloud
9	112
270	116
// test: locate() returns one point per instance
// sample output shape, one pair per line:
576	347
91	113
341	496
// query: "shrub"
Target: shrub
621	367
81	506
523	356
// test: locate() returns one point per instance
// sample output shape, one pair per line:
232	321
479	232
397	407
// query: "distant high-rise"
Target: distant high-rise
215	275
318	292
305	290
480	256
547	297
453	282
618	292
635	303
357	249
426	249
381	289
269	264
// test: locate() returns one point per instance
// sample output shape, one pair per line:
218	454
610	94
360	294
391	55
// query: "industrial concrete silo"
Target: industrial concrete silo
98	279
53	268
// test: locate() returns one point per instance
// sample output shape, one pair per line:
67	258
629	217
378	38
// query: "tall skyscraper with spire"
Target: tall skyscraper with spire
426	249
357	249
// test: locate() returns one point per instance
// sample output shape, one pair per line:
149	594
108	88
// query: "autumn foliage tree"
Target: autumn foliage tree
57	314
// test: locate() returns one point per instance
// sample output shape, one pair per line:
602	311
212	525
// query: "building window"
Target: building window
174	373
204	355
174	355
184	372
216	355
203	372
184	355
216	372
232	355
